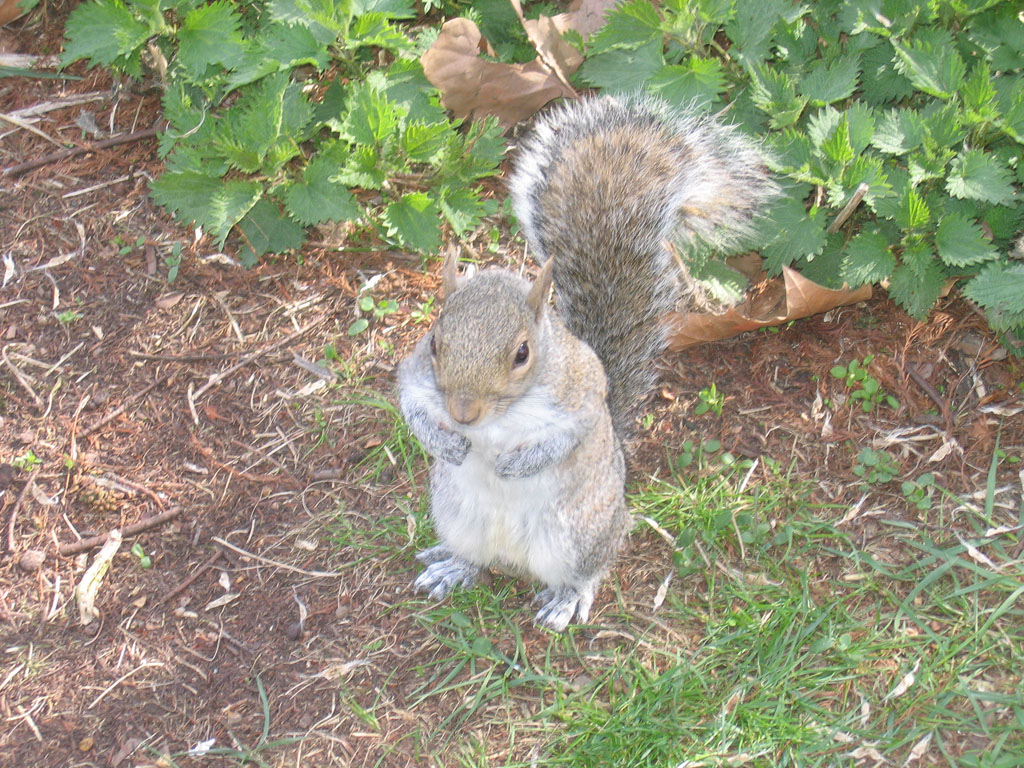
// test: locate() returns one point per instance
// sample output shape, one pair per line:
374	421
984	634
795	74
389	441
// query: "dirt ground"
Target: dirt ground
204	403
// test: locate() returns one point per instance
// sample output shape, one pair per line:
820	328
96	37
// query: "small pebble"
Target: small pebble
31	560
294	630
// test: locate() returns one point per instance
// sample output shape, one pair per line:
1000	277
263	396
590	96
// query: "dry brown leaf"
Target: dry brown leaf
792	298
552	49
473	88
584	16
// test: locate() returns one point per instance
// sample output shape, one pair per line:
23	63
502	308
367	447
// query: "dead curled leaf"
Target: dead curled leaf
792	298
472	87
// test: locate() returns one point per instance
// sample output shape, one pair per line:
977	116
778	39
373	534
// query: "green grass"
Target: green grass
784	640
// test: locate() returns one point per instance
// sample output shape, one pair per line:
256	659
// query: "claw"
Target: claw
443	575
561	604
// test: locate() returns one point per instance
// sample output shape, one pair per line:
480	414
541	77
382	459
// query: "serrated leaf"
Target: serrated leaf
799	233
422	142
931	62
464	209
978	92
393	9
694	84
317	198
976	175
374	29
898	132
774	93
913	211
880	81
414	221
106	33
233	200
837	147
210	35
372	117
867	259
960	242
630	26
187	195
830	81
917	291
361	169
622	71
999	287
265	229
750	29
918	256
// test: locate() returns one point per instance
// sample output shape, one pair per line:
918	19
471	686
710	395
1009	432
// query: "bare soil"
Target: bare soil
197	399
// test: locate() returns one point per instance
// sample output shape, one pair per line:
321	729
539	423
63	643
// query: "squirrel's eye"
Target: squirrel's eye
522	354
433	345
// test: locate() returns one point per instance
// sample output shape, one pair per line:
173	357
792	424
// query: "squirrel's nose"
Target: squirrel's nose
465	409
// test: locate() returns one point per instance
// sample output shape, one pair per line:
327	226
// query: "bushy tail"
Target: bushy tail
604	186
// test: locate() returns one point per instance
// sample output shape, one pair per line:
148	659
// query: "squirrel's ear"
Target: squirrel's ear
450	282
539	292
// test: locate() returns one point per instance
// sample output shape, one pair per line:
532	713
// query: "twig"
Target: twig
39	162
217	378
129	530
121	409
20	377
276	564
848	209
191	579
121	679
14	512
930	391
207	454
30	128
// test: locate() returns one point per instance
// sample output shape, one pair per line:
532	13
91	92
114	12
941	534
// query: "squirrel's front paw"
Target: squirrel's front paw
442	576
453	448
518	463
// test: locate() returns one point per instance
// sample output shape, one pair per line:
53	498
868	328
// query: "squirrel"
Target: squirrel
525	411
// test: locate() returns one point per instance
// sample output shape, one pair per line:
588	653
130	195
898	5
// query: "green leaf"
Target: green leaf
696	83
106	33
265	229
464	209
880	81
898	132
837	147
361	169
916	291
867	259
422	143
976	175
800	233
317	198
413	221
210	35
630	26
750	29
999	287
830	81
187	195
774	93
913	212
931	63
960	242
978	92
372	118
624	70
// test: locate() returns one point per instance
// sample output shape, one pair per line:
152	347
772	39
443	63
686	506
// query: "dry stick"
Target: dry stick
277	564
121	409
189	581
39	162
14	512
128	530
217	378
848	209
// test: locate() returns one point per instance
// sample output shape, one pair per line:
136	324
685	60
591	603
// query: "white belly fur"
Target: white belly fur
511	523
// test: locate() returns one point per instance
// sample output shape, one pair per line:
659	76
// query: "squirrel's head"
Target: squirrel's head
485	344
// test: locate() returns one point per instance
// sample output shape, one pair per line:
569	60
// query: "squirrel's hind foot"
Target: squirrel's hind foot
561	604
444	572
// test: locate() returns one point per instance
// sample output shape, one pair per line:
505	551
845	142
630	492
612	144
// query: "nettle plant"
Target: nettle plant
286	114
915	105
